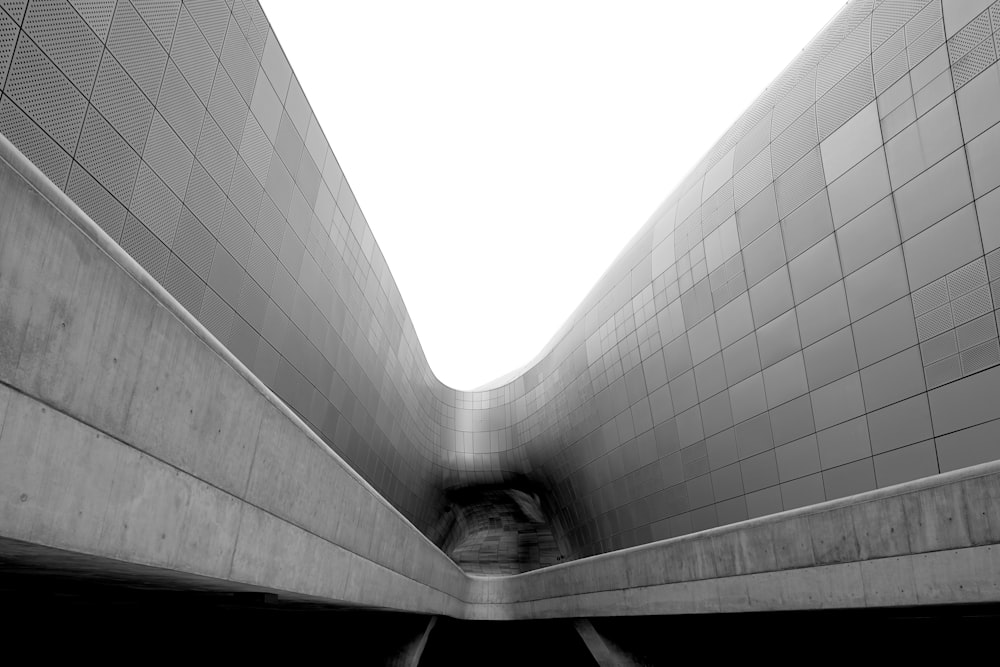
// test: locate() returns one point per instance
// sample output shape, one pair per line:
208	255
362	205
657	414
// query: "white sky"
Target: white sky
505	152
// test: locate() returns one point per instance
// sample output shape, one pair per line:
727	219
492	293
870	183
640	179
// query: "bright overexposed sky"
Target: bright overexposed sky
505	152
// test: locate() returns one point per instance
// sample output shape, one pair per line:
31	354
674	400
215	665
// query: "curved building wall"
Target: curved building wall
809	315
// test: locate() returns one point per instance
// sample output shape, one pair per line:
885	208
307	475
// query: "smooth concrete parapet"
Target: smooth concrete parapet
930	541
128	433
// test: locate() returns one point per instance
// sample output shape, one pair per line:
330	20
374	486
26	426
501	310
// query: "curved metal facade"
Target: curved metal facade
809	315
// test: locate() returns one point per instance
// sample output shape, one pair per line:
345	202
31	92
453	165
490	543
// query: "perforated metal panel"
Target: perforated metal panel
98	203
216	154
168	156
246	191
161	18
228	108
749	147
253	303
42	92
253	23
925	44
892	72
888	51
797	185
36	145
137	50
107	156
794	104
976	332
65	38
15	8
956	325
845	99
967	278
890	16
270	224
97	14
980	357
969	37
792	144
205	198
256	14
184	285
926	18
212	18
216	315
8	39
181	107
144	247
261	263
972	305
193	55
974	62
235	233
194	244
844	59
240	61
256	149
243	340
154	204
122	104
753	178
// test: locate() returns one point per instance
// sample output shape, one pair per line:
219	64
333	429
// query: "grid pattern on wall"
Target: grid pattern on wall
181	129
810	314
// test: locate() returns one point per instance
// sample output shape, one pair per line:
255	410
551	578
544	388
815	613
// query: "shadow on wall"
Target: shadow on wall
498	530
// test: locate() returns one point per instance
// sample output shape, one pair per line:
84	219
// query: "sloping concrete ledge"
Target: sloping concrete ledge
930	541
128	433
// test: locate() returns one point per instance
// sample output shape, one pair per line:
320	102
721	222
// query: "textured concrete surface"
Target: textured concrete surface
130	435
932	541
811	314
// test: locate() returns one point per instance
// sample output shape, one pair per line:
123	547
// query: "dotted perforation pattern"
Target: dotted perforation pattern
36	145
65	38
44	94
15	8
8	39
97	14
160	17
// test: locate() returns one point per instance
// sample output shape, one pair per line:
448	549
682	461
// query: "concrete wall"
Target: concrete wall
831	266
128	433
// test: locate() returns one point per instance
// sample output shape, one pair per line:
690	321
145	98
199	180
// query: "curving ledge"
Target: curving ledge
132	440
